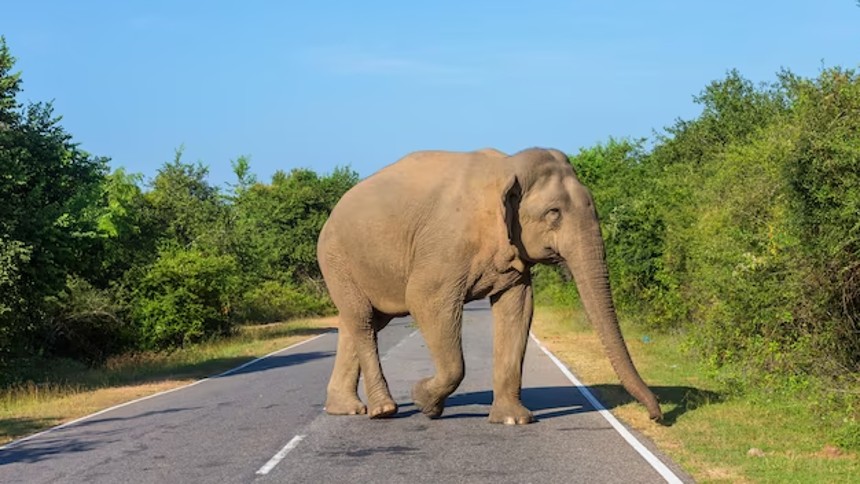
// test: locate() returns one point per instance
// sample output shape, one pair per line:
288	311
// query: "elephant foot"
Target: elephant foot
338	405
510	413
385	408
430	405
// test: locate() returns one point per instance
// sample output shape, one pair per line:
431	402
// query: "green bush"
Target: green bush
274	301
824	172
184	297
741	227
13	254
554	287
87	324
632	217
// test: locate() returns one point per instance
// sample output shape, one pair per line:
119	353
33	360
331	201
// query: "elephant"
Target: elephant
437	229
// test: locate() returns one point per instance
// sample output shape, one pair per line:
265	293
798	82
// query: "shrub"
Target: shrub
274	301
12	255
741	227
744	270
554	286
184	297
824	172
87	324
632	220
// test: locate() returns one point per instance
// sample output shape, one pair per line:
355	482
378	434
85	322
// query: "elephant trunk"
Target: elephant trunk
587	262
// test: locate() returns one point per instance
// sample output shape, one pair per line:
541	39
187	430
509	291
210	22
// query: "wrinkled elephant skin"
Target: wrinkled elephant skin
435	230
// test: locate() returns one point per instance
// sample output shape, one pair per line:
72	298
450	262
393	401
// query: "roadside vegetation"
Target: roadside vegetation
733	242
97	263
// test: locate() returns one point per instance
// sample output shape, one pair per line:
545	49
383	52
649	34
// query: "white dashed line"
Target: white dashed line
268	466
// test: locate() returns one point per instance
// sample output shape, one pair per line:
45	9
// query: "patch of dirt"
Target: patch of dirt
830	452
723	474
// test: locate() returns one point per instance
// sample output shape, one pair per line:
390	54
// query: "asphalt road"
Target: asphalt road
265	422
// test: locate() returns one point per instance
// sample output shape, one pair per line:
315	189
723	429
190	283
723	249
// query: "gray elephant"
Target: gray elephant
435	230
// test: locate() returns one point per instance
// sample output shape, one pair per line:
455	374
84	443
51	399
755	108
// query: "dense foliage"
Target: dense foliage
741	228
93	263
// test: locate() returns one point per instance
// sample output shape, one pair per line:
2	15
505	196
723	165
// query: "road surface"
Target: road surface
265	423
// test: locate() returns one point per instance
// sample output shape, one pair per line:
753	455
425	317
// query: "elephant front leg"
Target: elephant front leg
440	321
512	318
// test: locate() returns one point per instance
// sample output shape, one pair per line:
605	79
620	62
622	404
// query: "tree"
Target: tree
185	208
47	188
10	86
127	228
276	231
279	223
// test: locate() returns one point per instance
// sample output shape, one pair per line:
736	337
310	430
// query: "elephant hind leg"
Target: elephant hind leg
379	401
357	353
342	394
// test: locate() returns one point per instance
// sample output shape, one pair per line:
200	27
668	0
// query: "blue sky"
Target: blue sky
321	84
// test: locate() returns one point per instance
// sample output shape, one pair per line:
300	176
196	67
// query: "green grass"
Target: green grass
711	426
49	392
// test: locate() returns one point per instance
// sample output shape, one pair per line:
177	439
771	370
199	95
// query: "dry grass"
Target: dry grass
708	434
70	391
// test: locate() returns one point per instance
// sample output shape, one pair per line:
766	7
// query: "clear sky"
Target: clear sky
321	84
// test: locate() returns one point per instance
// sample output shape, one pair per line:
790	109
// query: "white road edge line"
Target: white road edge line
165	392
268	466
646	454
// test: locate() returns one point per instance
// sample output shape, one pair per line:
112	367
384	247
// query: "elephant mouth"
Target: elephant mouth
554	257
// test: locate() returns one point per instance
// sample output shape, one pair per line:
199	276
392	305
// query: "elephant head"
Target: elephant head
551	218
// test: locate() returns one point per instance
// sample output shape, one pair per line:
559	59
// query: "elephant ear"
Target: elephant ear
509	226
511	195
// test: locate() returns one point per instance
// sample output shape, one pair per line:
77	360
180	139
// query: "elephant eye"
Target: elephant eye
552	215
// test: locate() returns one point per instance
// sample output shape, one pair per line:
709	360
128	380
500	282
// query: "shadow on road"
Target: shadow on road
35	451
15	426
45	449
166	411
553	402
545	402
279	361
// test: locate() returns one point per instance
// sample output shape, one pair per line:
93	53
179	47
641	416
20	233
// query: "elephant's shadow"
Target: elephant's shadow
676	400
553	402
